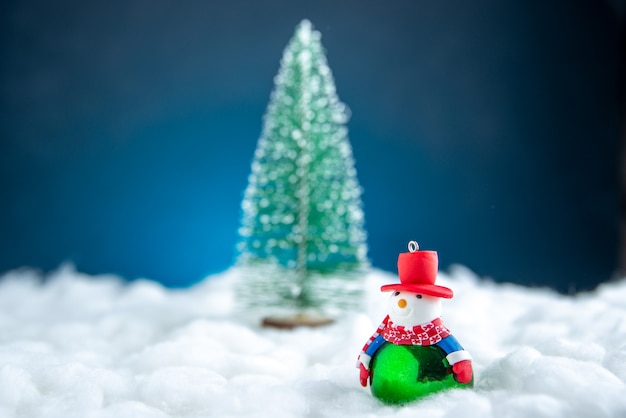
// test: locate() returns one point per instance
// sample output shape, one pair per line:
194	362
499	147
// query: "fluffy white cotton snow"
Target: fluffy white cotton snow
73	345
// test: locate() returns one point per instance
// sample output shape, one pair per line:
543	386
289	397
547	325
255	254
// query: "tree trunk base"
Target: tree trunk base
295	321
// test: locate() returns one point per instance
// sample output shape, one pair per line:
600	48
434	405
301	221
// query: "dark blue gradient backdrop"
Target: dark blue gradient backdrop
487	130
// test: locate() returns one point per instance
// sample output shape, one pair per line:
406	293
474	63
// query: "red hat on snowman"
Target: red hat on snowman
418	271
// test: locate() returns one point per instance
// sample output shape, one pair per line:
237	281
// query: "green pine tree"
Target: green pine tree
302	229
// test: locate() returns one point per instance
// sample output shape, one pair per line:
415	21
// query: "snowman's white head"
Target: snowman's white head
409	309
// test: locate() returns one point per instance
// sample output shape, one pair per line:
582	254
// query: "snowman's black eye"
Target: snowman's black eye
396	293
418	296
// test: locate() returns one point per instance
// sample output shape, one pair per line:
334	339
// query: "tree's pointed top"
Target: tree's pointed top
304	31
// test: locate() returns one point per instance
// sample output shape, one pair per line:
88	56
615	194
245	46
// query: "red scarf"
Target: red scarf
427	334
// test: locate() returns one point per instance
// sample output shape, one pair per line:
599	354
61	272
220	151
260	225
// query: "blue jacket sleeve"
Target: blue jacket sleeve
449	345
375	345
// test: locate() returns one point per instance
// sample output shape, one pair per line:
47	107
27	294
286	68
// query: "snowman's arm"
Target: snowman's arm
372	345
454	351
368	351
375	345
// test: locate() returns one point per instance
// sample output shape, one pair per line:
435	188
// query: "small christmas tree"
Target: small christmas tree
302	231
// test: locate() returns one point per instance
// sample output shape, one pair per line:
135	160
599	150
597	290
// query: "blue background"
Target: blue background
487	130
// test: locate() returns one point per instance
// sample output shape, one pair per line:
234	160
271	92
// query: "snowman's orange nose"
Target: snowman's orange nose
402	303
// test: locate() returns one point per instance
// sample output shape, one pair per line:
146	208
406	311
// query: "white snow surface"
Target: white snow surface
73	345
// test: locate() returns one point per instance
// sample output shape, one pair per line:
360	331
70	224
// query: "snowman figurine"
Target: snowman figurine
412	354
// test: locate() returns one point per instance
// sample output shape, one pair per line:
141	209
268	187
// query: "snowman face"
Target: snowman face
409	309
